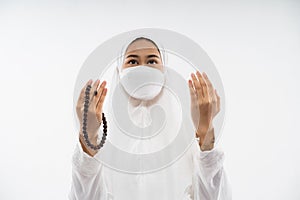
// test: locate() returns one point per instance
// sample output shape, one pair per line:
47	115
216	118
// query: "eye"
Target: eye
132	62
152	62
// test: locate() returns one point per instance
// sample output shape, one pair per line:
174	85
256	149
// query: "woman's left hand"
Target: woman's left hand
205	103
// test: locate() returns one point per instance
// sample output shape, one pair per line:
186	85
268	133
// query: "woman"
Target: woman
198	174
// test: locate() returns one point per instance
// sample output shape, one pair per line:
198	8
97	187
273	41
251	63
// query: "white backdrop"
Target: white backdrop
254	44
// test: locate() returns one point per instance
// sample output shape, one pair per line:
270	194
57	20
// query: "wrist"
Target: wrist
202	130
206	146
207	140
85	147
93	136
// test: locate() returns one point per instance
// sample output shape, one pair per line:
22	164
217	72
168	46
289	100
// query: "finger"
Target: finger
94	87
82	92
210	87
192	91
99	93
101	100
203	83
209	84
197	86
218	100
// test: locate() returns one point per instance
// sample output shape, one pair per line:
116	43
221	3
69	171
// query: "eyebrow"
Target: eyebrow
136	56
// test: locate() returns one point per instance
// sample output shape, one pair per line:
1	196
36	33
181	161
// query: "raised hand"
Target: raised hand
205	103
94	114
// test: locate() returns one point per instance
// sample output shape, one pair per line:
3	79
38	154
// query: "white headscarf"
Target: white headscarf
122	53
150	126
140	116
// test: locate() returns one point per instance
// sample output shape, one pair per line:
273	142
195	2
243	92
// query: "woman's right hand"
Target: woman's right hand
94	115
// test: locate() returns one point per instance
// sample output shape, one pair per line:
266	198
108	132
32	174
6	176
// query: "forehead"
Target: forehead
142	46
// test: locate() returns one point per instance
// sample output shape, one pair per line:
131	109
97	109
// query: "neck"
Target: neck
136	102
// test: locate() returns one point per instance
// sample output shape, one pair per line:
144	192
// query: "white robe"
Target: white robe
201	173
196	175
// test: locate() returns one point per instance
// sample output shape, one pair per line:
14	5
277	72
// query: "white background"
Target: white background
254	44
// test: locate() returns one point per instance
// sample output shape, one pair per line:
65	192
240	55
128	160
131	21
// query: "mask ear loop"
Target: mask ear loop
163	56
118	74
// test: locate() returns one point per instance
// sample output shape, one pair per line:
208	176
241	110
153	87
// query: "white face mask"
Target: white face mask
142	82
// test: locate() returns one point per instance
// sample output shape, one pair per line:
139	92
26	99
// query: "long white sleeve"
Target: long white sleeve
87	178
210	180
